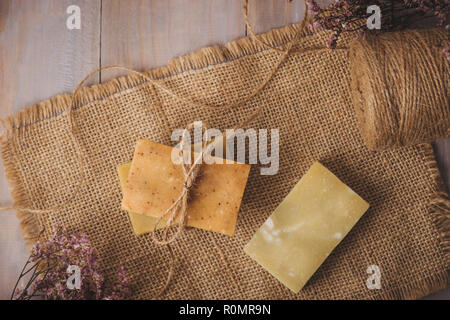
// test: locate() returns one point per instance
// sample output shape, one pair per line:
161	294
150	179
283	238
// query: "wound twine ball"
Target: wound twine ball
400	87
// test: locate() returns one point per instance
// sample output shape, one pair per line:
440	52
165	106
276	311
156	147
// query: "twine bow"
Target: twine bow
190	171
159	84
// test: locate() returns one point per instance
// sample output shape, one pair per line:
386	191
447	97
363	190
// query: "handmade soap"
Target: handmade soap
308	224
141	224
154	182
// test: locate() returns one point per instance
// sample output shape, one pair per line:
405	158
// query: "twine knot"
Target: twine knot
177	212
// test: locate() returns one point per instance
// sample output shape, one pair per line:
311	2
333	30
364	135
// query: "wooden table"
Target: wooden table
40	57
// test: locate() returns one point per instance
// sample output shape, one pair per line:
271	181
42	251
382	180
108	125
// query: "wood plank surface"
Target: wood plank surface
40	57
268	14
146	34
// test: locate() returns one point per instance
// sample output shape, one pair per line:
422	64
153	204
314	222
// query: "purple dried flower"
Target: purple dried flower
312	7
50	261
446	52
331	43
349	15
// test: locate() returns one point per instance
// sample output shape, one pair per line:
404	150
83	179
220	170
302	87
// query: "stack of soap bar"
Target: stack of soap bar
141	224
308	224
154	182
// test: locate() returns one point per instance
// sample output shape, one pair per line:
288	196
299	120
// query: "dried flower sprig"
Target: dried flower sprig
46	269
343	16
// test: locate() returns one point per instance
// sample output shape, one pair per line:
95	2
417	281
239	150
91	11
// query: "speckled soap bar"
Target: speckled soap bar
154	182
308	224
141	224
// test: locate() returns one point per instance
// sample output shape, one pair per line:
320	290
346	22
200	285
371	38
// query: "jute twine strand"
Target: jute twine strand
159	84
73	133
190	172
179	208
73	129
293	40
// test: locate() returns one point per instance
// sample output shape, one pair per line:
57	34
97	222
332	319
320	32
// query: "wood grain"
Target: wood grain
135	39
268	14
39	57
146	34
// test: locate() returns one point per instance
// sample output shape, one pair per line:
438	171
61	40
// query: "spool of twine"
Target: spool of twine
431	78
400	87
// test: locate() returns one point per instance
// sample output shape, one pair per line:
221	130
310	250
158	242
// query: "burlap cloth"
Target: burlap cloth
405	232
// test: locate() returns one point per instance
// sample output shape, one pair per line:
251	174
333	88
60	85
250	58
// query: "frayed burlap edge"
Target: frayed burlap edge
440	203
203	58
58	104
30	229
439	209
